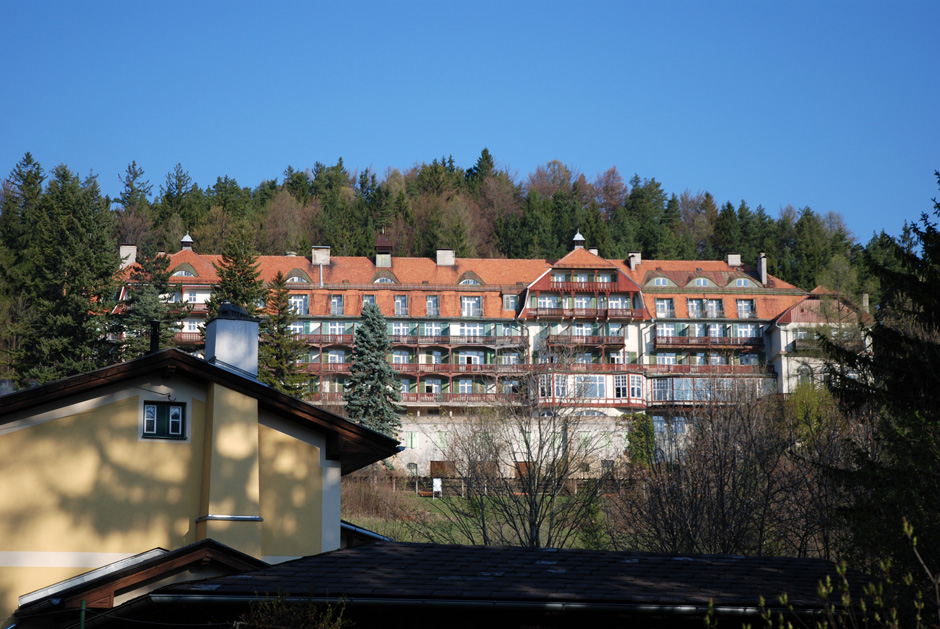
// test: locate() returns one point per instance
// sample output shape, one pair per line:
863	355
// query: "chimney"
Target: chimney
594	251
128	255
865	303
383	252
634	259
578	240
734	259
320	256
232	340
762	267
445	257
187	242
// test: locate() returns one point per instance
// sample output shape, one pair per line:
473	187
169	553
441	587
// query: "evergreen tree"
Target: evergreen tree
280	350
239	274
74	256
372	391
898	382
477	174
149	299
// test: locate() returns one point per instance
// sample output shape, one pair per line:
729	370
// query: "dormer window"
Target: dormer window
660	281
184	270
384	280
469	282
701	281
742	282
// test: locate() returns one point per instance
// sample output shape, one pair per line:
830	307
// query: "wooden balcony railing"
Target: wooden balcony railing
591	313
584	287
711	370
707	341
574	339
326	339
189	338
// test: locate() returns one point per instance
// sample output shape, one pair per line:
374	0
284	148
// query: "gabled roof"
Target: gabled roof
100	587
351	444
582	259
417	581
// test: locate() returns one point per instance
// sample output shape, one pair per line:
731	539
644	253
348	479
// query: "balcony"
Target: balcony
711	370
584	287
710	313
189	338
662	342
590	313
574	339
460	398
665	313
326	367
626	313
326	339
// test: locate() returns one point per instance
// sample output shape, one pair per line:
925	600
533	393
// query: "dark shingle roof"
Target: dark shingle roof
428	572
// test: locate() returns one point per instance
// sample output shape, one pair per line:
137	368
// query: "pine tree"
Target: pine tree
280	349
372	392
239	274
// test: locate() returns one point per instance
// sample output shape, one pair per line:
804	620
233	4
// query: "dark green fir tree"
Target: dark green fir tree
149	299
239	277
70	293
280	349
371	395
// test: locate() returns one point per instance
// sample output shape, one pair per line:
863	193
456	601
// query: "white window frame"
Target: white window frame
336	305
433	306
471	306
401	305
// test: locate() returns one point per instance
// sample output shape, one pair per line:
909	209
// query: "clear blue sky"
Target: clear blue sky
832	105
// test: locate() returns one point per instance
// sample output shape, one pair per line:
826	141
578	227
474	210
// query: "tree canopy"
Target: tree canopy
372	390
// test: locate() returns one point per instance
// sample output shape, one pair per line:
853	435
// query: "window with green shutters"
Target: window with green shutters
164	420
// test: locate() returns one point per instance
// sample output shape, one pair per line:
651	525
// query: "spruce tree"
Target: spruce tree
149	300
280	349
239	275
72	285
372	391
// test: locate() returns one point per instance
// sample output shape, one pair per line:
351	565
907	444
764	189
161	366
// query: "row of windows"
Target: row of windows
469	306
705	308
713	330
590	386
622	302
700	358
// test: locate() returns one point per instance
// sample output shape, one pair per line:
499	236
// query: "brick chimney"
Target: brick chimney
232	340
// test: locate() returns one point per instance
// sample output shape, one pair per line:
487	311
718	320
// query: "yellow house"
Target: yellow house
165	451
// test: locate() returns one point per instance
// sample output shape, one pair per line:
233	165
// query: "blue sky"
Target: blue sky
831	105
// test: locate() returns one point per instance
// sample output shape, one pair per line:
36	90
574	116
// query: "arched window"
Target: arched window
804	374
184	270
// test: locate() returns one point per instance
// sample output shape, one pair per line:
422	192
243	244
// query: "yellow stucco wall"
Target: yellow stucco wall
291	495
87	483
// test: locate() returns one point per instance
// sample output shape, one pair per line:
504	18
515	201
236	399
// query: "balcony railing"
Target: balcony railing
460	398
584	287
575	339
189	338
666	313
709	313
593	313
326	339
711	370
707	341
